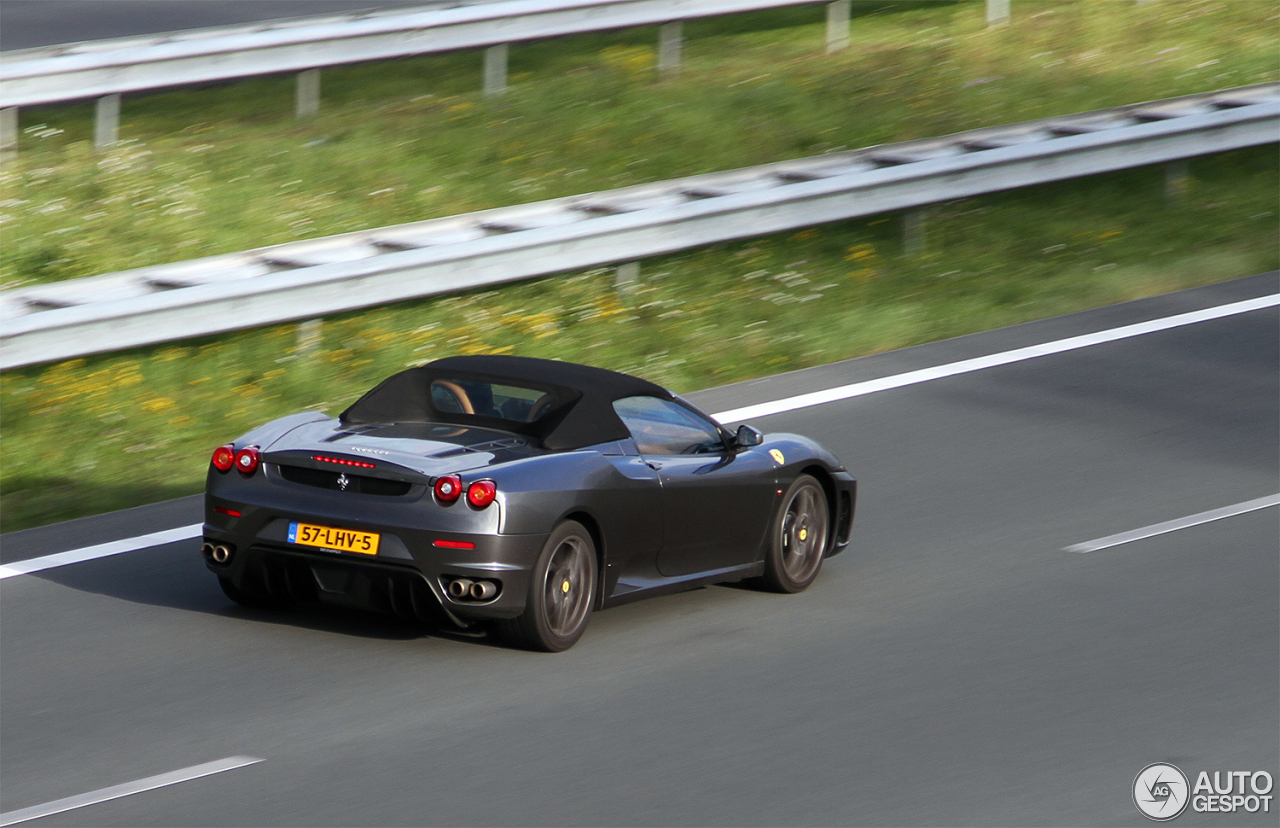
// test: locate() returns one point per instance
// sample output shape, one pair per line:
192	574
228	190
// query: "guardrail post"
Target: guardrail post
914	231
997	13
670	39
837	26
307	102
1177	179
626	278
8	132
106	125
495	69
310	334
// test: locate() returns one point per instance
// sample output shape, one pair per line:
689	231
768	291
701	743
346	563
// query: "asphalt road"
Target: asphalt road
955	667
26	24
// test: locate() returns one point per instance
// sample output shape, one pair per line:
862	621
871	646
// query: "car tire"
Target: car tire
247	599
562	593
798	537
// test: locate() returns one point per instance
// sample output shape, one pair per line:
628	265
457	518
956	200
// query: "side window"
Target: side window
663	427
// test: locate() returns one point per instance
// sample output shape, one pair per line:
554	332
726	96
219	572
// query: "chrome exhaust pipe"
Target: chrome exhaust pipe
206	549
460	588
483	590
221	554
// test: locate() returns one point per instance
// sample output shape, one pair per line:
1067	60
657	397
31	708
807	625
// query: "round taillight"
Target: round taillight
448	488
247	460
481	493
224	457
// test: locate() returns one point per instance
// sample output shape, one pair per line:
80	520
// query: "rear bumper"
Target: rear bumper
412	580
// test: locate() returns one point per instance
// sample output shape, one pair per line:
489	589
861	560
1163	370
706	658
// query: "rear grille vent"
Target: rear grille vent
358	483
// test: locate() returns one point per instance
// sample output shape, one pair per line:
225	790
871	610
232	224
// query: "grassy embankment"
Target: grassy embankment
225	169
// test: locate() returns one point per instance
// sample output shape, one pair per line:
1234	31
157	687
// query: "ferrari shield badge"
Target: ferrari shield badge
777	455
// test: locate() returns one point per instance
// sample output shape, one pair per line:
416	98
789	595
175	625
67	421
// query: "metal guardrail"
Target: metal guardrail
105	69
98	68
303	280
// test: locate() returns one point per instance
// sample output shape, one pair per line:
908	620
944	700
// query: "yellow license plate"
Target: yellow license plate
327	537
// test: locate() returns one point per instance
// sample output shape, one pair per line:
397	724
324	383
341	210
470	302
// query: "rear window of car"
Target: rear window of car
514	403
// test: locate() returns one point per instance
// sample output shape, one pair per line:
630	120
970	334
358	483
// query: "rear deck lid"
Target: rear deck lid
429	449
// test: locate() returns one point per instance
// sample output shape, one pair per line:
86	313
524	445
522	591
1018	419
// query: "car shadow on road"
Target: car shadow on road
174	577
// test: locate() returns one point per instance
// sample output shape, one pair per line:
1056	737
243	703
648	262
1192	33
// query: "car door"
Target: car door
715	501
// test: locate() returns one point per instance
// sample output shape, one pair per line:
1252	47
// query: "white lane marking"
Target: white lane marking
1175	525
101	550
127	789
966	366
749	412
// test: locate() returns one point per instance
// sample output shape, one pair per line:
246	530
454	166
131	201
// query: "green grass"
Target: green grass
225	169
92	435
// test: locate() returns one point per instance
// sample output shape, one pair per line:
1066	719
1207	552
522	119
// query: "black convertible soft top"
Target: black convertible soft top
581	412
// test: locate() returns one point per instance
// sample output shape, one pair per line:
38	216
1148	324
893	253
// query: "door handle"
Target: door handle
653	465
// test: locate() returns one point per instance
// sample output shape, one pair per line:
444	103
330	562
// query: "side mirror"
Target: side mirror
748	436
